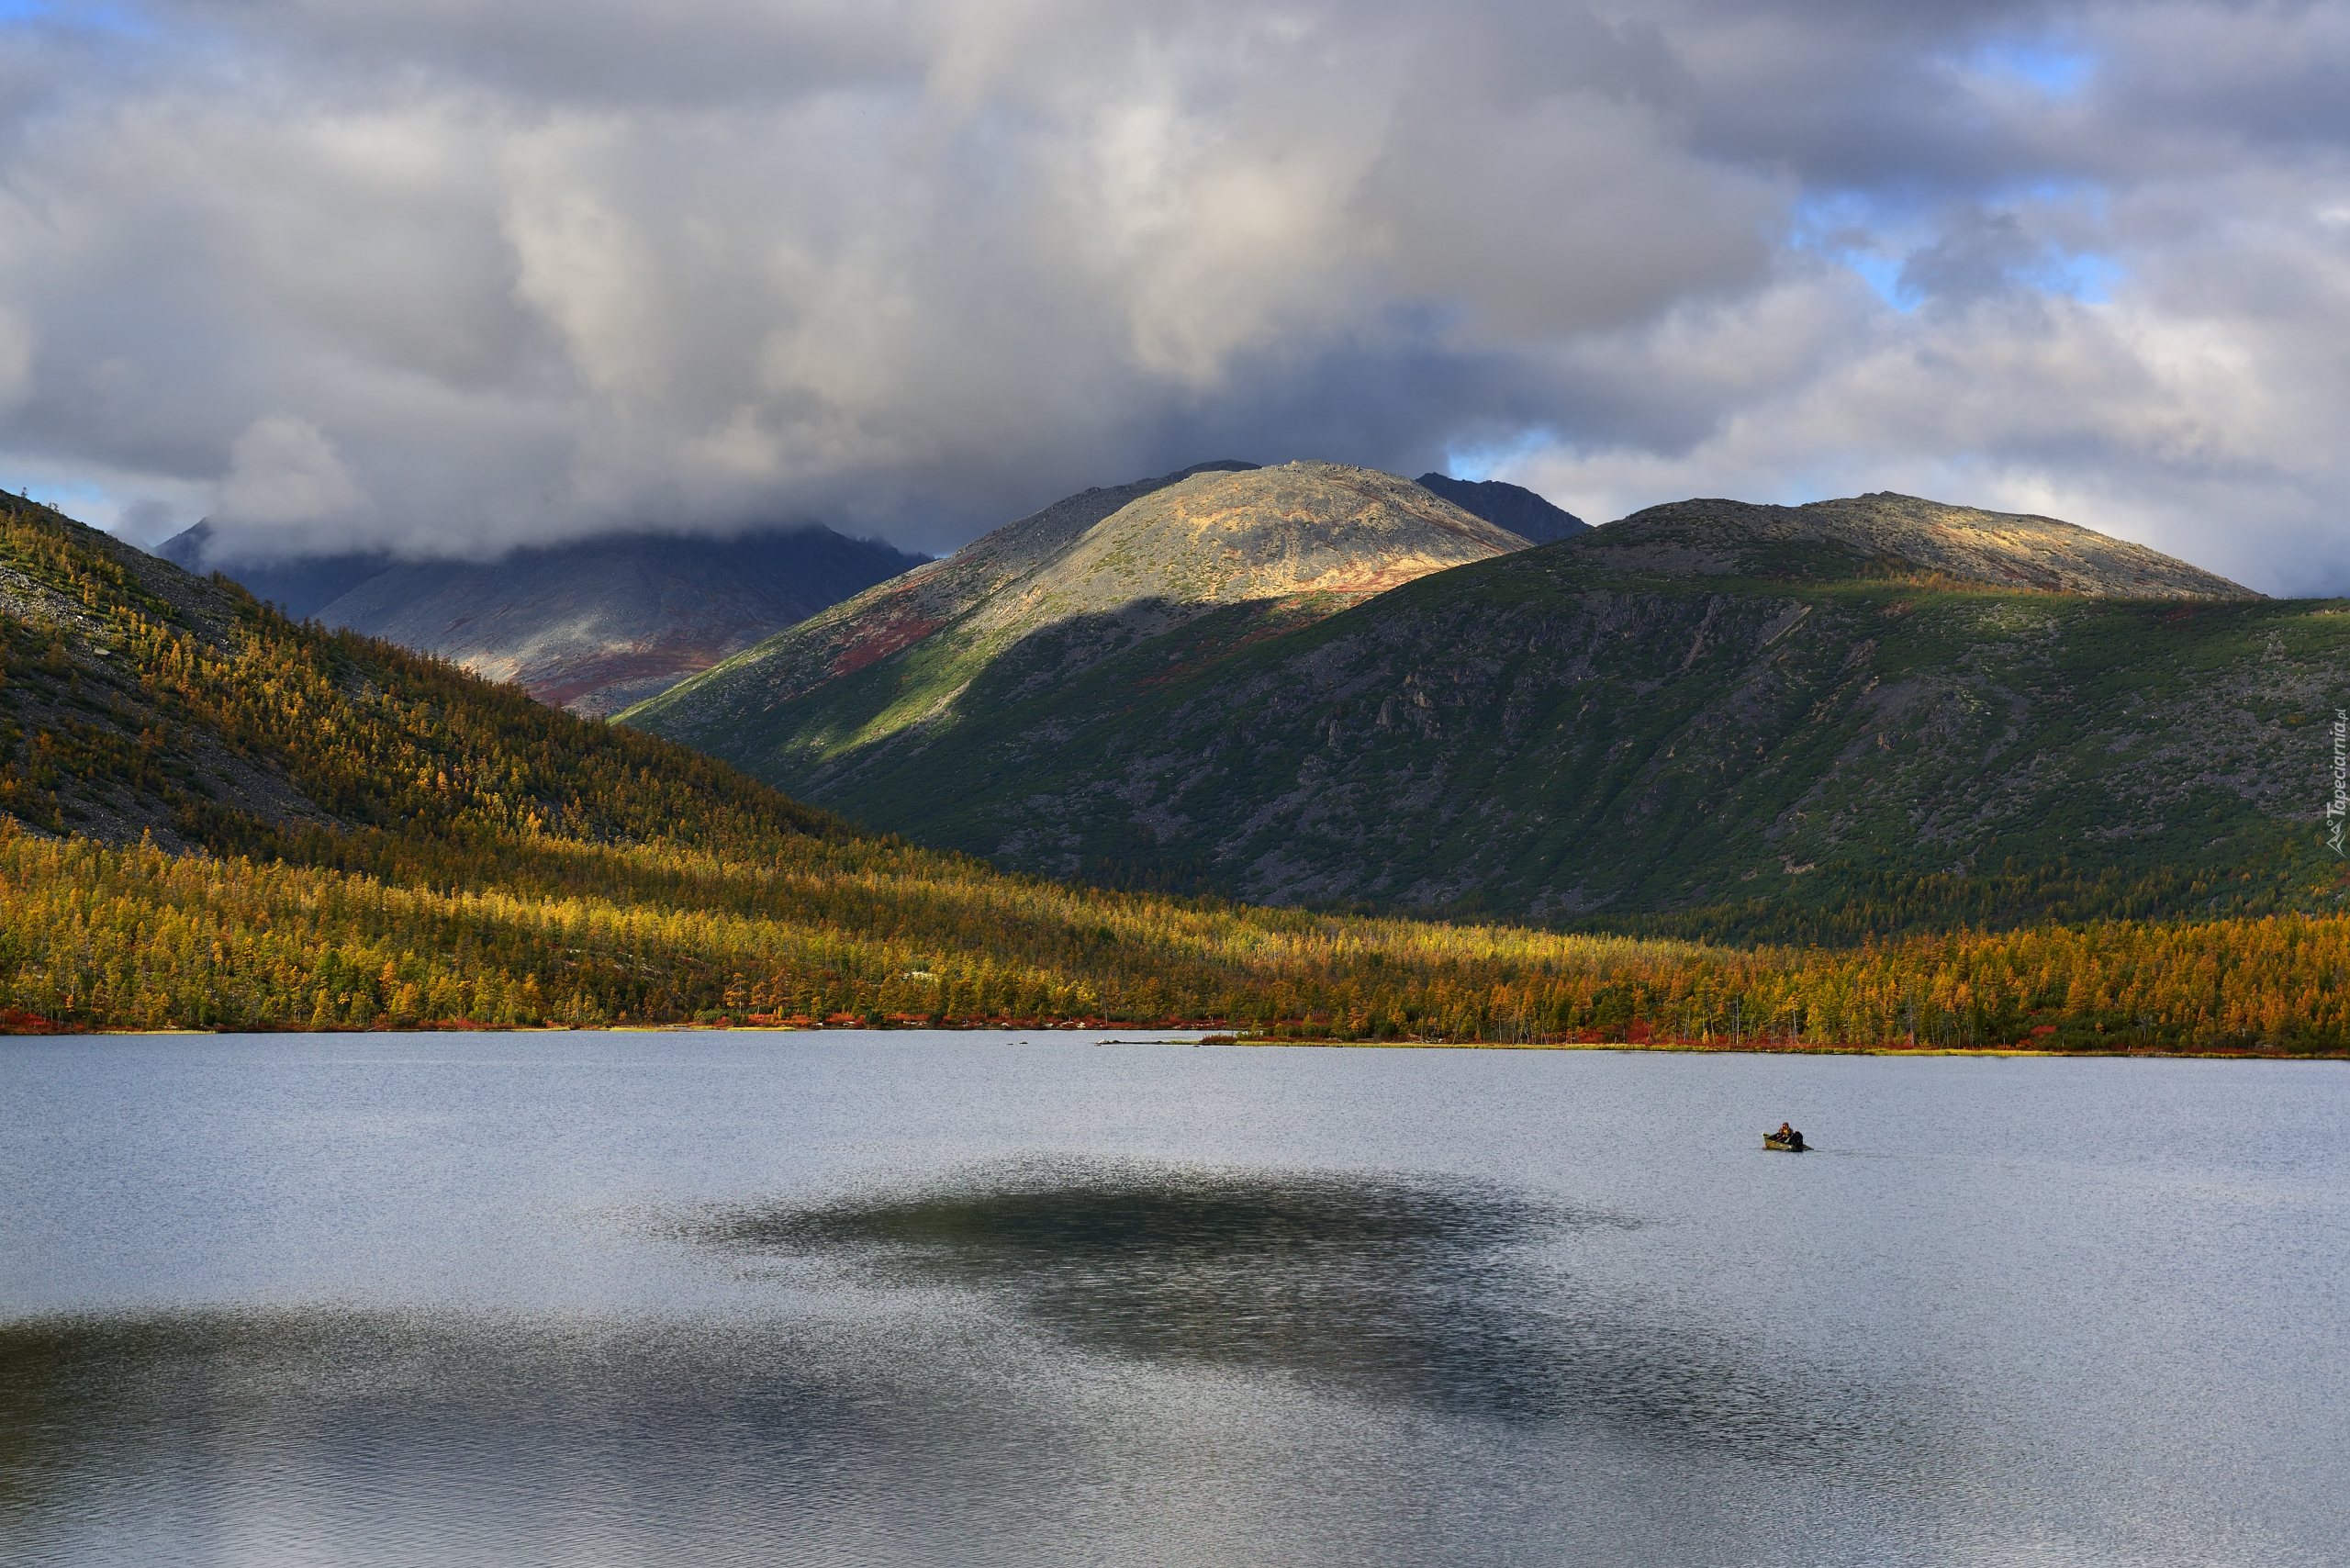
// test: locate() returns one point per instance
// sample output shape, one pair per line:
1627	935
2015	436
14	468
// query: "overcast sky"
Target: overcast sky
448	274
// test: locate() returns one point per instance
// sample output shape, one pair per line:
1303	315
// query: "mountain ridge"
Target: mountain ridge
2016	550
301	587
1064	599
874	624
595	626
1794	734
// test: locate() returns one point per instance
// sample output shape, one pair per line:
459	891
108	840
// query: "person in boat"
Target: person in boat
1788	1135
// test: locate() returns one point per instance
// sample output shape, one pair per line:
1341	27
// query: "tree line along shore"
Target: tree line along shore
854	933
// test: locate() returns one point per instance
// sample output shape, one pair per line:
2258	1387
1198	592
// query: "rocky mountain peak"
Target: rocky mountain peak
1304	527
1322	535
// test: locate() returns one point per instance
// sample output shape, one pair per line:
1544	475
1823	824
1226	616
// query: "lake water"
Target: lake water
903	1298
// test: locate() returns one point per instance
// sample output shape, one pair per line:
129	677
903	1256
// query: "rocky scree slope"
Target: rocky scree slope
1839	739
1040	602
86	746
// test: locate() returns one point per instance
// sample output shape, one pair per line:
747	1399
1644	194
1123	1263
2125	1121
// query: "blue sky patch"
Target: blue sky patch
75	14
1882	273
2088	277
2053	68
1477	460
1844	227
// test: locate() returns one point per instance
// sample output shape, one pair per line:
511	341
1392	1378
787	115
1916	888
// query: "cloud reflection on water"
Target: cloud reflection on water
1229	1365
1445	1294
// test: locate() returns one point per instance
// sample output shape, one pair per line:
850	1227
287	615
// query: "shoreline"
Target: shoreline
1221	1038
1696	1049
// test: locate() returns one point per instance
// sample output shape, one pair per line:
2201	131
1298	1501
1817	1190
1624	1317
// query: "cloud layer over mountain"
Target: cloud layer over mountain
450	276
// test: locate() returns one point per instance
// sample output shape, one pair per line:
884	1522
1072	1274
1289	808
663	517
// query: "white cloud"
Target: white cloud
15	360
282	470
547	270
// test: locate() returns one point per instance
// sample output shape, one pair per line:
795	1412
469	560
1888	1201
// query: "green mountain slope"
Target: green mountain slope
884	673
1789	721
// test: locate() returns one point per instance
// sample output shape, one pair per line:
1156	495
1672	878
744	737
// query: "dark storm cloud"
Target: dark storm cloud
450	276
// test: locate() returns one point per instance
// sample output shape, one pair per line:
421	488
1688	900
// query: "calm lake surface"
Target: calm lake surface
906	1298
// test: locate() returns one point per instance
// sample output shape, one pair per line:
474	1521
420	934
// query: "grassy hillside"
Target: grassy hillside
883	672
1829	746
220	818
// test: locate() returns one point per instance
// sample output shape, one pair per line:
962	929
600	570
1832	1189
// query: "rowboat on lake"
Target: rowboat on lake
1787	1140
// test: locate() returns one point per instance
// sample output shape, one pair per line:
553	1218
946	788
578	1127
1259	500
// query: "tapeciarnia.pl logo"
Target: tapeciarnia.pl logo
2337	811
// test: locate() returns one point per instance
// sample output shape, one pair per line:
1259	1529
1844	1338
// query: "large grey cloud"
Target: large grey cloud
450	276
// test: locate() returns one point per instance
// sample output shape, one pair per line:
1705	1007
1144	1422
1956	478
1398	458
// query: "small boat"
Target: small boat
1787	1141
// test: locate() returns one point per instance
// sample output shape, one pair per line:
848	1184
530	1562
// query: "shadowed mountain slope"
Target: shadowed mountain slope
598	625
300	587
1514	506
1846	739
592	626
1039	601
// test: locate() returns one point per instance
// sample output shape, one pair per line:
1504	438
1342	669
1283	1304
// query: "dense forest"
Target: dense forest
442	851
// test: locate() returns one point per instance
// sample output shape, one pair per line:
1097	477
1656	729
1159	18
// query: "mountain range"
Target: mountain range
591	626
212	816
1713	716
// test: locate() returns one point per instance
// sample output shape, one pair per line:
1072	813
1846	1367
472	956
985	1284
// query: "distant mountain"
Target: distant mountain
1039	601
1810	722
1513	507
598	625
1719	538
300	587
592	626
